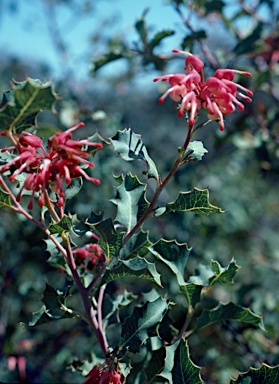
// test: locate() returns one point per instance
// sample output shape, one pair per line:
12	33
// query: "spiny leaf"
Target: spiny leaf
130	201
135	328
178	367
229	311
135	268
73	189
184	370
196	201
54	307
5	200
110	241
208	276
130	147
195	151
192	293
263	375
158	37
223	275
64	225
26	99
174	255
155	365
136	246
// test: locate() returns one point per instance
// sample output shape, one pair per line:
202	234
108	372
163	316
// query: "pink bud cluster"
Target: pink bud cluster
48	168
104	374
91	256
218	94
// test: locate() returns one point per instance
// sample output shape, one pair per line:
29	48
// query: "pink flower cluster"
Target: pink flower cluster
218	94
104	374
91	256
47	168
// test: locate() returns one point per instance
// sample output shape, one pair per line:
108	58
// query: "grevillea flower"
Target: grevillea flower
91	256
48	168
104	374
218	94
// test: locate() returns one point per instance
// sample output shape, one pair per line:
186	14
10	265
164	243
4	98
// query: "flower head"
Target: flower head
104	374
48	168
218	94
91	256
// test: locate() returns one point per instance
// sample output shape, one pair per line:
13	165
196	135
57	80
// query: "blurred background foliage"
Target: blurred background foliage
241	170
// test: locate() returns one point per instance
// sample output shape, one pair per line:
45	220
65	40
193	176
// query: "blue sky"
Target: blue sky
24	29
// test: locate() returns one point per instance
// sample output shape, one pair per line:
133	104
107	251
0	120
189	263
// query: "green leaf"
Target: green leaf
64	225
192	293
135	328
247	44
141	29
208	276
179	367
155	365
130	147
130	201
189	40
137	245
229	311
135	268
54	307
73	189
195	151
25	101
110	241
5	199
174	255
184	370
263	375
158	37
196	201
223	275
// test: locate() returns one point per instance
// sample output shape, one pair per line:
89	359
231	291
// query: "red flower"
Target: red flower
104	374
218	94
47	168
91	255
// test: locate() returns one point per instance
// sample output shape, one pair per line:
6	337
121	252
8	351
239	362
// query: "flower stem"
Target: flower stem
160	188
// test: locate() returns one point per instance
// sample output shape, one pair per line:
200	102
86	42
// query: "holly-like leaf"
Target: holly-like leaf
179	367
135	328
64	225
155	365
208	276
73	189
54	307
26	99
229	311
130	201
184	370
223	275
136	246
5	199
195	151
192	293
263	375
130	147
174	255
135	268
110	241
158	37
196	201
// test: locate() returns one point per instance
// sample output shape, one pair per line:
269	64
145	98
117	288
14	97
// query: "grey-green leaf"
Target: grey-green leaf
130	147
263	375
134	268
196	201
229	311
135	328
174	255
130	201
64	225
